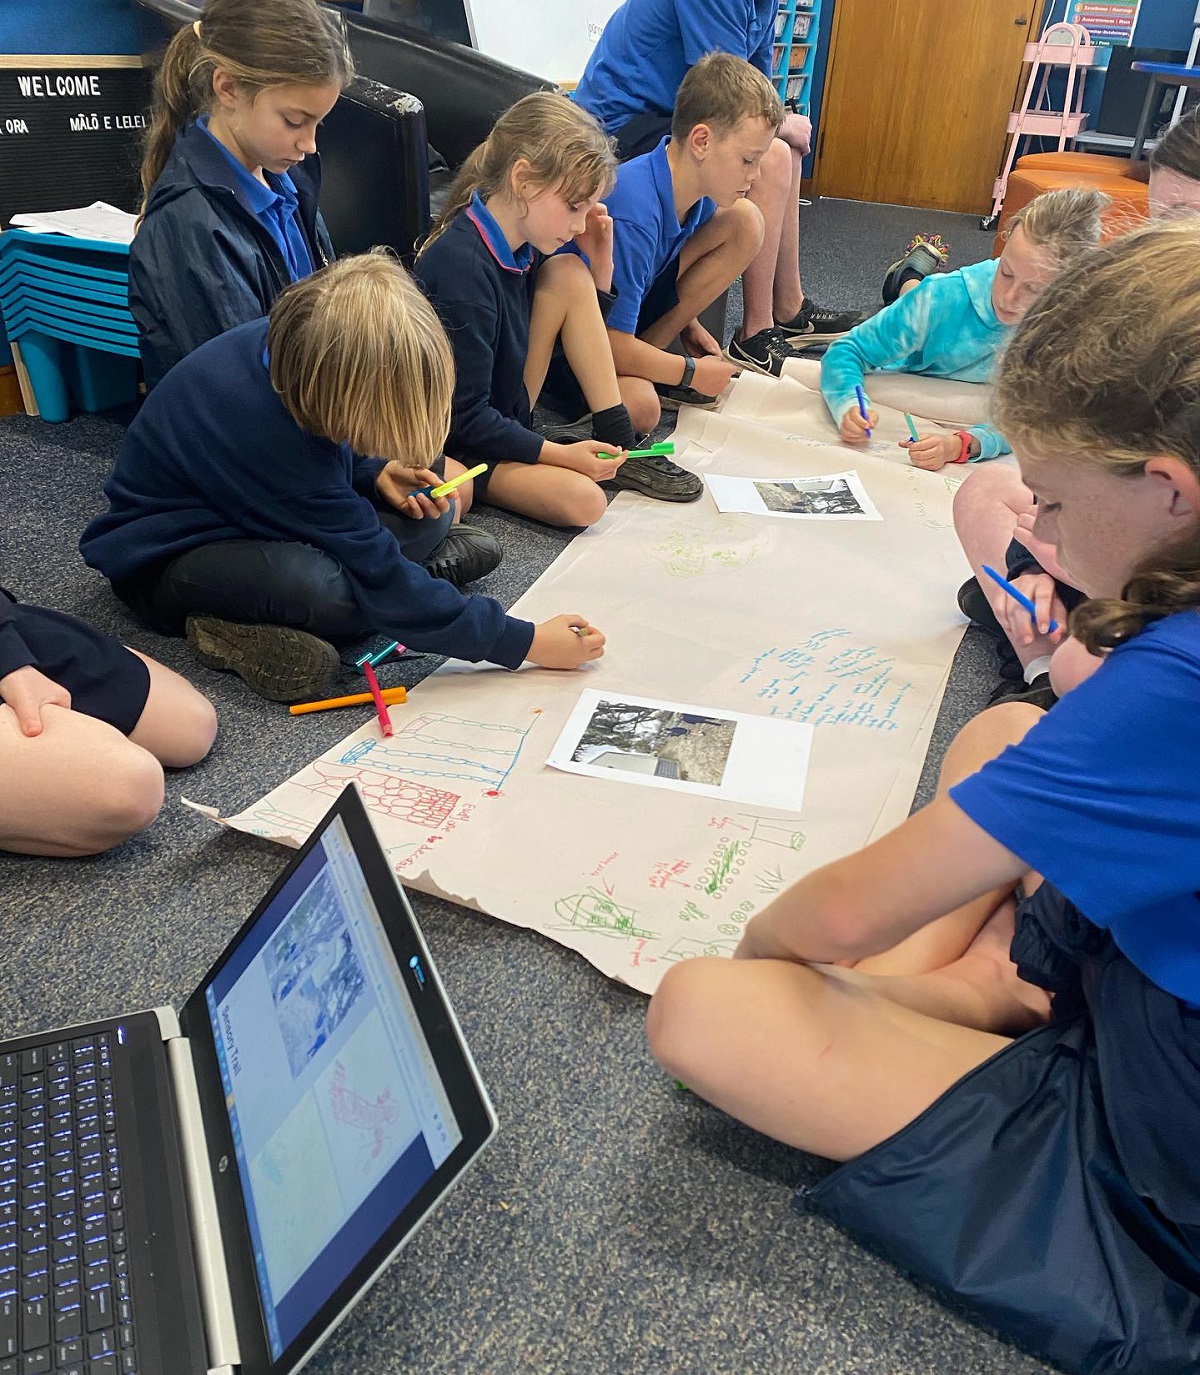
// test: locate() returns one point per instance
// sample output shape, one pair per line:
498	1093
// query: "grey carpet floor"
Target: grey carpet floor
617	1225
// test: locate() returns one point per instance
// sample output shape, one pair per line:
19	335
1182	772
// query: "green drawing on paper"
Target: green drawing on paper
773	832
691	546
770	880
687	949
722	868
690	912
596	912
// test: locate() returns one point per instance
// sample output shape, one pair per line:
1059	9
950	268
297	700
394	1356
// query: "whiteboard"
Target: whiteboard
555	45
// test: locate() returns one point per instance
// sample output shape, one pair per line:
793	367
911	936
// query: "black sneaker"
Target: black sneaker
813	323
275	661
671	398
1039	693
656	477
765	352
973	603
925	253
465	554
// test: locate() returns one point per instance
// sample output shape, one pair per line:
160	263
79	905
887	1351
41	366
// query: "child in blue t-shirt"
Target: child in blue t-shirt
520	270
683	231
1033	1155
955	325
230	172
86	729
243	509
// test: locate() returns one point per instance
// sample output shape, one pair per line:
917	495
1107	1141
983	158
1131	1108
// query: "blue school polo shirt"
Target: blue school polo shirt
647	233
1103	798
648	45
274	206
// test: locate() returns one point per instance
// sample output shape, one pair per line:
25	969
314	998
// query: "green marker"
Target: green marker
912	429
654	451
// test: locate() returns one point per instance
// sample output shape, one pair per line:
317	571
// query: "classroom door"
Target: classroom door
917	97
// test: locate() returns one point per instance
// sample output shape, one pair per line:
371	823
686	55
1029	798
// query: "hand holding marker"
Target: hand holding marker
447	487
862	408
1020	597
654	451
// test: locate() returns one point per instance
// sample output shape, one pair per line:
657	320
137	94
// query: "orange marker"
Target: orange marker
392	696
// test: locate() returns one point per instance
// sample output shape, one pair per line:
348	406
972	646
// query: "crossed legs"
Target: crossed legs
833	1060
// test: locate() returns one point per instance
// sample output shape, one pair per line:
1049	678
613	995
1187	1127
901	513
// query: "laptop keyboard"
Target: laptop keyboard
65	1302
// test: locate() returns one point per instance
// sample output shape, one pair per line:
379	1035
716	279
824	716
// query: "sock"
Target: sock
614	427
910	274
1037	667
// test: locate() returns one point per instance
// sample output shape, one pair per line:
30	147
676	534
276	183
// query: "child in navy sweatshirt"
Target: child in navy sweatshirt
242	511
507	294
230	173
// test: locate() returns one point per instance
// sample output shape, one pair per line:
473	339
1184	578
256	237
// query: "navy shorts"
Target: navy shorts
105	679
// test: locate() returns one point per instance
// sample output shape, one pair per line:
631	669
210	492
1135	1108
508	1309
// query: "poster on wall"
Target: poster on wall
1110	23
71	135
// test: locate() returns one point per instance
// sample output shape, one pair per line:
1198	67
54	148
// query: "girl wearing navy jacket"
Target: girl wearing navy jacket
86	727
231	173
1034	1156
243	512
508	297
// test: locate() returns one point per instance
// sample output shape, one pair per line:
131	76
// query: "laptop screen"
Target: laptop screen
337	1113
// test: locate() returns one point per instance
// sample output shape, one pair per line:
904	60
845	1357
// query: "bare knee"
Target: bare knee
194	728
125	802
583	503
993	487
775	170
679	1012
747	227
566	274
642	403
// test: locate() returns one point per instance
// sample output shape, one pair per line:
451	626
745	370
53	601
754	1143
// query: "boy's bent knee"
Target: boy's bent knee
583	504
746	227
641	401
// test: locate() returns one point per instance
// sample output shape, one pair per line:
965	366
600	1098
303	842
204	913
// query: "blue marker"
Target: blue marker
862	406
1019	596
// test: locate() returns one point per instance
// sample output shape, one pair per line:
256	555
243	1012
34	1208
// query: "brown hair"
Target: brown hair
721	90
565	147
358	356
1105	370
260	43
1067	222
1179	148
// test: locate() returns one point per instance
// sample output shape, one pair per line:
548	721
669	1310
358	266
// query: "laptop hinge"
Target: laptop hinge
219	1322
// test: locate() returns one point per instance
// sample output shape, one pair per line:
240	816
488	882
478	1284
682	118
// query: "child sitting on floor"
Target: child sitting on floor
242	510
507	294
1033	1156
955	325
86	728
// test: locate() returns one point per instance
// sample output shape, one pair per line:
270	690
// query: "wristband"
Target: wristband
964	453
689	370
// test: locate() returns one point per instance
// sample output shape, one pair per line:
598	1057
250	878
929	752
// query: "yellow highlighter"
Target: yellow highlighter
447	487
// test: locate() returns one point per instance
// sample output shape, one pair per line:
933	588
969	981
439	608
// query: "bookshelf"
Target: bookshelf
796	26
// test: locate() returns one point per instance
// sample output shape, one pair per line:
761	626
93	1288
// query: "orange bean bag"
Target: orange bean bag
1130	197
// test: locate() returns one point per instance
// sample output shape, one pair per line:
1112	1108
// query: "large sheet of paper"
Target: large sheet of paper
848	627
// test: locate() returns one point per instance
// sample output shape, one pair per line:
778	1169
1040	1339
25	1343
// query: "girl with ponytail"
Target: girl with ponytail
230	172
520	261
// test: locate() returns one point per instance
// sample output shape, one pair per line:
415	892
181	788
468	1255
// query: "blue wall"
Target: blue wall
1161	24
68	26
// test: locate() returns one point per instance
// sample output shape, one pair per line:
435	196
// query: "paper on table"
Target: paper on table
95	221
727	755
832	496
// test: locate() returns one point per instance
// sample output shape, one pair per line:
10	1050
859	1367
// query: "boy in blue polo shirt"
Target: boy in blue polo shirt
683	231
630	85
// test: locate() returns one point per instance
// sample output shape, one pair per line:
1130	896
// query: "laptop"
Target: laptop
215	1190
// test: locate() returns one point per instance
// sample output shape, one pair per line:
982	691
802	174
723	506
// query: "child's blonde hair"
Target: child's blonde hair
1105	370
721	90
565	147
260	43
1066	222
359	356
